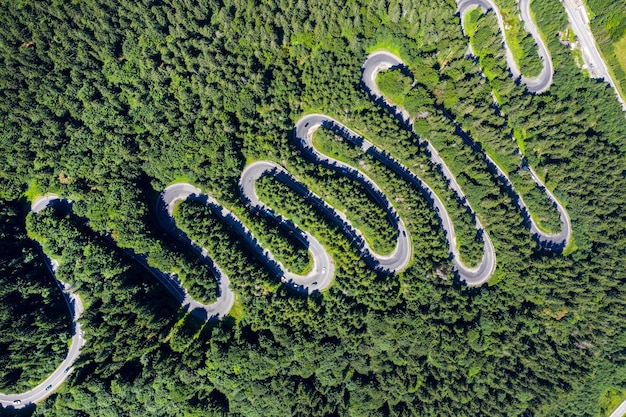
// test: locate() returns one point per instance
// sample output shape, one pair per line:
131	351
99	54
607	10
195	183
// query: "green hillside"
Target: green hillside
106	103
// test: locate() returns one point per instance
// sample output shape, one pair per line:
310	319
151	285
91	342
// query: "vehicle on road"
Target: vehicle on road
48	387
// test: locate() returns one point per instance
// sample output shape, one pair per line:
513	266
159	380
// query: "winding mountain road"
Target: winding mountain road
318	279
75	305
322	273
205	312
383	60
400	257
394	262
537	84
306	126
165	209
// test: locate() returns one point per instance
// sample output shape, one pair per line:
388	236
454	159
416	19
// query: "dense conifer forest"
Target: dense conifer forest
105	103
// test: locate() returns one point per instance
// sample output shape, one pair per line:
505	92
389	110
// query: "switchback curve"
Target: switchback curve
306	126
75	306
394	262
317	279
383	60
541	82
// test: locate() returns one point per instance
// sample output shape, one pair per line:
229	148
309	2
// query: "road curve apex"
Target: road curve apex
41	202
541	82
169	197
400	257
322	273
471	276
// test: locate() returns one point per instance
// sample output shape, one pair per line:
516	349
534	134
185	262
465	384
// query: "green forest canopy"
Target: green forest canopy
106	103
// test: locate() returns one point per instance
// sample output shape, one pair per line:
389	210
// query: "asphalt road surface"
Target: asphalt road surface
578	18
380	61
226	297
321	274
323	271
537	84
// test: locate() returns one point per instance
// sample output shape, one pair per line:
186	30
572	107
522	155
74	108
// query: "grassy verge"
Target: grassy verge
608	24
33	191
521	43
386	45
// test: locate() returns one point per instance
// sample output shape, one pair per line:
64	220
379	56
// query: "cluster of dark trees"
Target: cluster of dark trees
193	217
590	145
107	102
34	317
